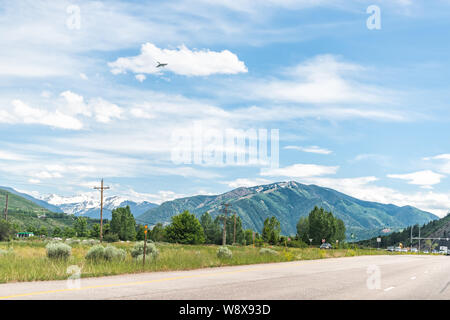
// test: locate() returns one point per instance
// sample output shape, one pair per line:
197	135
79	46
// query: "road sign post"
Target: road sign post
310	242
378	242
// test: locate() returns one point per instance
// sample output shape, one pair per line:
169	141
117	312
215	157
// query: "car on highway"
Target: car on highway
414	250
325	245
398	249
404	250
434	251
426	251
390	249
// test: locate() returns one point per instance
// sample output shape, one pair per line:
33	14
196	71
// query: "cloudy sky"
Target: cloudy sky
358	109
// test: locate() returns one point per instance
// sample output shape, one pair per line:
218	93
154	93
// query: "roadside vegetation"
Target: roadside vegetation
186	243
27	260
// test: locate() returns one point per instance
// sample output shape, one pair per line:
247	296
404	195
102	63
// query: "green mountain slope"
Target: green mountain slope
17	203
24	213
288	201
433	229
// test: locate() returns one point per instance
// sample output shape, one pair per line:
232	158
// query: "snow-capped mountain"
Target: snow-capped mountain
88	204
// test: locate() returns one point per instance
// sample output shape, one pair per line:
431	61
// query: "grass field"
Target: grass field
27	260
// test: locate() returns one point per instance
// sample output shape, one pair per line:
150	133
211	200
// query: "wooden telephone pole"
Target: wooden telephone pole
225	210
234	233
101	188
6	208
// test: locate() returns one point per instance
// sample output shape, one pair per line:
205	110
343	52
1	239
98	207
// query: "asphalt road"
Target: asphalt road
364	277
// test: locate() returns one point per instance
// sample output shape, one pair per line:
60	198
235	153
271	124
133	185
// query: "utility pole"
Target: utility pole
411	239
225	210
101	188
234	233
6	208
419	238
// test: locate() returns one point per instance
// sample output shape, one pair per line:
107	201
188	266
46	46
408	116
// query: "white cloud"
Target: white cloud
441	162
425	178
311	149
246	182
75	104
104	110
140	77
300	171
364	189
6	155
181	61
323	79
22	113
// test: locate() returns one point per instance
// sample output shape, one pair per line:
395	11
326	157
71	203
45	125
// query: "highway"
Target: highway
363	277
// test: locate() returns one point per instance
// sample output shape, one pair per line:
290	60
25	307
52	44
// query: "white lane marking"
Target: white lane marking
413	278
388	289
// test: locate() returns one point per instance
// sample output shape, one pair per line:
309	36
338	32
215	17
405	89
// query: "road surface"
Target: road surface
364	277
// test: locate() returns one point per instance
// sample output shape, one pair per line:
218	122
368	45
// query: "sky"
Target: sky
350	95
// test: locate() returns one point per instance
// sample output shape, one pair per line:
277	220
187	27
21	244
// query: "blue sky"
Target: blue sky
358	110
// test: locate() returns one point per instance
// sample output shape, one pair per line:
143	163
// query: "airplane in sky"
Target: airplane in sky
161	64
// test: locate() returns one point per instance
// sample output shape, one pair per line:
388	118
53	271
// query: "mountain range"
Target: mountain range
88	205
288	201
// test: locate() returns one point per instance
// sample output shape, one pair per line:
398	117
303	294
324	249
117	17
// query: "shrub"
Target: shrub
71	242
58	250
96	253
267	251
90	242
6	252
224	252
111	237
151	251
297	244
113	253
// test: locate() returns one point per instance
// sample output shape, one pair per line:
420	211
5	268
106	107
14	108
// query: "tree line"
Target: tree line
185	228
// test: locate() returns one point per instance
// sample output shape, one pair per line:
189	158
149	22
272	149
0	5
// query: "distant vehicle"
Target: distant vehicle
398	249
390	249
325	245
404	250
442	252
426	251
414	250
448	252
434	251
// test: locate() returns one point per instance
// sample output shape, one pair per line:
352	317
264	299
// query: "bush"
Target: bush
224	252
151	251
112	253
90	242
297	244
267	251
58	250
6	252
71	242
111	237
96	253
